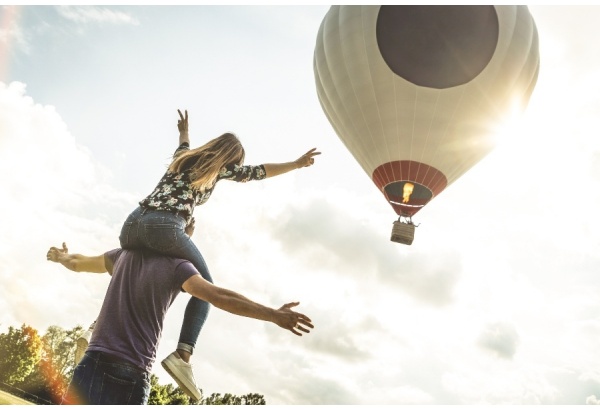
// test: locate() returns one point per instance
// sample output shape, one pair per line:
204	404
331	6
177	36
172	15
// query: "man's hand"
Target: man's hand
54	254
76	262
293	321
189	230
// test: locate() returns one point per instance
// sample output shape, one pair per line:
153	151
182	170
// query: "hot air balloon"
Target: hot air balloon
414	92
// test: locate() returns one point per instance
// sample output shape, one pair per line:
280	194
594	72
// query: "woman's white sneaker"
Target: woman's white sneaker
182	373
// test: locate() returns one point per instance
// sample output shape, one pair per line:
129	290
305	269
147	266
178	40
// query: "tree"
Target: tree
253	399
59	348
51	376
20	351
167	394
44	365
230	399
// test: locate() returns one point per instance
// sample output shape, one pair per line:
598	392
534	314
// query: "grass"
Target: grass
6	398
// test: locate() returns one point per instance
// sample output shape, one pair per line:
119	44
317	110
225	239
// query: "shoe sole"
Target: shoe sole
180	383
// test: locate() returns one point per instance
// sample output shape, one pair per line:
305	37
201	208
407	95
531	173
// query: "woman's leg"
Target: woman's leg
164	233
196	310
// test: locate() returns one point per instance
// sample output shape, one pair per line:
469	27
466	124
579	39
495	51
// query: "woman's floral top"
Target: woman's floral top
174	192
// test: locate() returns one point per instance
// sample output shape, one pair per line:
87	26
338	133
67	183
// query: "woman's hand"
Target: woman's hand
307	159
182	126
189	229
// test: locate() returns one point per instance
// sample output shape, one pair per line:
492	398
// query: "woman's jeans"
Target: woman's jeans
164	233
100	378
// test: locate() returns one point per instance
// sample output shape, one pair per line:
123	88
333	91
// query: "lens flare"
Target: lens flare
9	31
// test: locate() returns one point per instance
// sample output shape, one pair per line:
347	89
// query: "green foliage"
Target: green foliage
59	348
229	399
20	351
167	394
44	365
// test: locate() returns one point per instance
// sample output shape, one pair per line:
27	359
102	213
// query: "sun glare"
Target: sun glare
510	128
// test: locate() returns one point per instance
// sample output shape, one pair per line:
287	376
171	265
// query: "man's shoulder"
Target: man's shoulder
155	259
147	259
181	269
142	255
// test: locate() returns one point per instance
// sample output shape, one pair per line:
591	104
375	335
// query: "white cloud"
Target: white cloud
53	192
500	338
327	235
592	400
95	14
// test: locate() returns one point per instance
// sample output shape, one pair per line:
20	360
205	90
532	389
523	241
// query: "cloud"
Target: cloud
325	236
53	191
595	167
94	14
592	400
500	338
335	336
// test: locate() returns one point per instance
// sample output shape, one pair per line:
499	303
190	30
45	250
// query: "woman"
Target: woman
163	221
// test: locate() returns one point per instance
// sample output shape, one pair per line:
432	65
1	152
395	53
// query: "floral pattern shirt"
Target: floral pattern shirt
174	192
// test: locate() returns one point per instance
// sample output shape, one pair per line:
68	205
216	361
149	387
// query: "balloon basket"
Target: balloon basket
403	232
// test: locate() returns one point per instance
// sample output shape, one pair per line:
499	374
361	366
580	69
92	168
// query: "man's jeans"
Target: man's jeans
100	378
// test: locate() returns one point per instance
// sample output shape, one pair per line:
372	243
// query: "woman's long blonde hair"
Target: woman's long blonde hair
207	161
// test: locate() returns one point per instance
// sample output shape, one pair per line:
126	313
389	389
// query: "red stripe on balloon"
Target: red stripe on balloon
411	171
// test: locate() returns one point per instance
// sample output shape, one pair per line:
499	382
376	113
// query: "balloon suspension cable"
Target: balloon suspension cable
407	219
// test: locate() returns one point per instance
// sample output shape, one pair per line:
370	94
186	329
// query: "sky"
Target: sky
495	302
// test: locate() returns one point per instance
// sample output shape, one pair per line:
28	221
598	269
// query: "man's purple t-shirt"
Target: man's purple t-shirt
143	287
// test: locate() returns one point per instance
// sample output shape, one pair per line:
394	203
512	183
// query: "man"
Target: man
116	366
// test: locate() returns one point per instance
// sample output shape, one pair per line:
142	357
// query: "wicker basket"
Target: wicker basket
403	232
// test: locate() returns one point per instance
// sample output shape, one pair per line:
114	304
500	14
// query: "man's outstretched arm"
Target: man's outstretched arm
76	262
237	304
221	298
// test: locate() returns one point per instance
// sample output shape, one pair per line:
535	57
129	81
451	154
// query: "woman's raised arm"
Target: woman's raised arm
305	160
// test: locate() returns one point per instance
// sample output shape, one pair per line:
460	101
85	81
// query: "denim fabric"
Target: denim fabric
164	232
102	379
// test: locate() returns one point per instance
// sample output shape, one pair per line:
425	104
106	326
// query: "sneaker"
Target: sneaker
82	343
182	373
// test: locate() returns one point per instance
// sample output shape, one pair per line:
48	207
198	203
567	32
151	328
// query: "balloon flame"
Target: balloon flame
406	192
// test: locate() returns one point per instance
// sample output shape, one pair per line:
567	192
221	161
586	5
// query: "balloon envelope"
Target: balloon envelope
414	91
